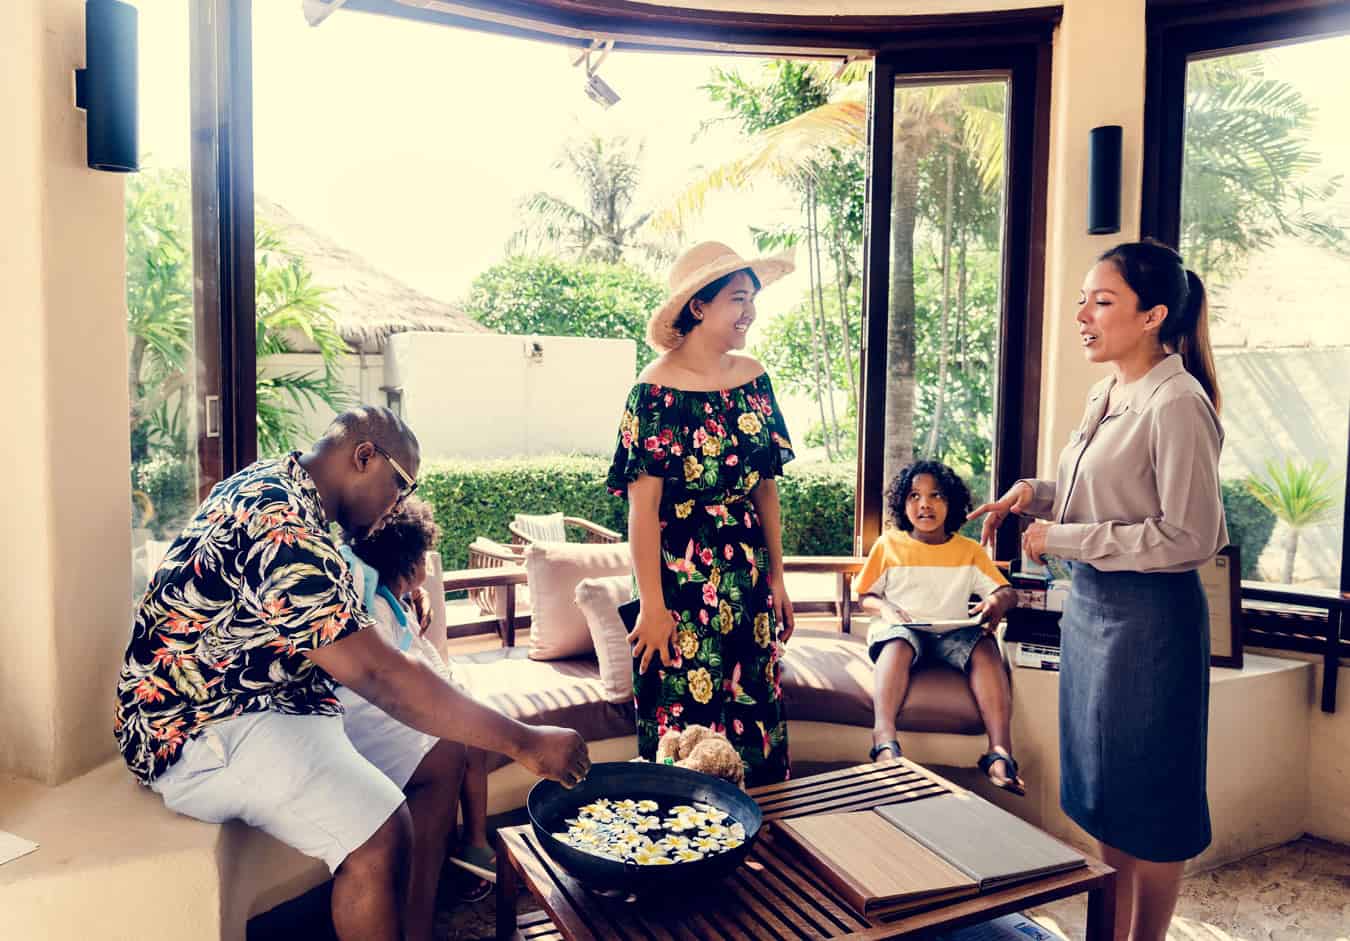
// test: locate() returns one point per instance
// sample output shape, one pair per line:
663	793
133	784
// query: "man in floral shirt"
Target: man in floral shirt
226	705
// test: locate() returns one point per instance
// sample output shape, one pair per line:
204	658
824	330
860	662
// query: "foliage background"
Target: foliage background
479	498
162	361
540	294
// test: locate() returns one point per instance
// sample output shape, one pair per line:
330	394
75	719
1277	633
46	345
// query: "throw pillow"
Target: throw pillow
554	569
599	600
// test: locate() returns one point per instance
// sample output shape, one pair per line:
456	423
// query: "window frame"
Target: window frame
1024	61
1017	42
1177	32
224	311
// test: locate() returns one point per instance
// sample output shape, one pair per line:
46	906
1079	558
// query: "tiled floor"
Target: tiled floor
1300	890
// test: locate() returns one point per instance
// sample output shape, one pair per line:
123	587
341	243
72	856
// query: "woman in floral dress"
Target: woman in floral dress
700	443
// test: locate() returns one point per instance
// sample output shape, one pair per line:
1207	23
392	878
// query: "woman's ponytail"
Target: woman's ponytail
1192	341
1157	275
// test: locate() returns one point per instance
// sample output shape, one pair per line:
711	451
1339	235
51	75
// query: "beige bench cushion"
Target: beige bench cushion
553	692
826	678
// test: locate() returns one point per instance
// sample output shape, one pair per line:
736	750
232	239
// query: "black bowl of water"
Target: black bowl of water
553	808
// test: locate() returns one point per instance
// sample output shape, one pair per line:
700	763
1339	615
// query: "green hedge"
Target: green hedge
479	498
168	482
818	509
1250	523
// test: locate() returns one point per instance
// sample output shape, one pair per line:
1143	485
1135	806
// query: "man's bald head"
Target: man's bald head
376	424
364	465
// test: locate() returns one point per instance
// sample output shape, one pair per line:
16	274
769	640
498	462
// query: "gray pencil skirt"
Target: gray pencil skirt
1134	711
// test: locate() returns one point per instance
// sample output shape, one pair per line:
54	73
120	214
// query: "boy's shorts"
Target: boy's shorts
952	648
299	778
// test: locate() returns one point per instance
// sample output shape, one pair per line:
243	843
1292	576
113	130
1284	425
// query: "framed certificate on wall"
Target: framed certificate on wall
1222	581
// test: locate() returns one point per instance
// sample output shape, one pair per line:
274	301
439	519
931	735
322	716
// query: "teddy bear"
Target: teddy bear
699	748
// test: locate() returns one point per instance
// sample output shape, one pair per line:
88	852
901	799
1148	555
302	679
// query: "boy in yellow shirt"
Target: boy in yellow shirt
917	584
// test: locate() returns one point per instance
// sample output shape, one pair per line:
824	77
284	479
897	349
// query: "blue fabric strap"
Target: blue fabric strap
370	579
405	635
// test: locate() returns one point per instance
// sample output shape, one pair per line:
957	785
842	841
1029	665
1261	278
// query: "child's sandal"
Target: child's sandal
891	746
479	860
1010	784
475	891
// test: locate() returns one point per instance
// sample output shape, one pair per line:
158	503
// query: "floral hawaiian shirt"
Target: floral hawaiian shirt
254	582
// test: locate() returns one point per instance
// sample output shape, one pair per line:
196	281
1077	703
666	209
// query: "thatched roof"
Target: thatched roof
368	304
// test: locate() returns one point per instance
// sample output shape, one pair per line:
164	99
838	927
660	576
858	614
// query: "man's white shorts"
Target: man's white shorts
299	778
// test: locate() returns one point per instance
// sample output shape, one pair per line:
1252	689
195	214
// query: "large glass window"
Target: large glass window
946	227
484	255
162	363
479	245
1265	221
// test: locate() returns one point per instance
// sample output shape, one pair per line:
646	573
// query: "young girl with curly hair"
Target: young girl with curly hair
390	566
923	573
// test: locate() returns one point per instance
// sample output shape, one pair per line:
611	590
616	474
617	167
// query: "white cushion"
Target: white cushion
548	527
599	600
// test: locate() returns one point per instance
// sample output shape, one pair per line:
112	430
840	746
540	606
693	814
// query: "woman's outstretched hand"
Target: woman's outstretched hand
653	634
1018	497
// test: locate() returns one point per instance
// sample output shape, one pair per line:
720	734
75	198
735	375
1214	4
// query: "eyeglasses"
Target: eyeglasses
409	482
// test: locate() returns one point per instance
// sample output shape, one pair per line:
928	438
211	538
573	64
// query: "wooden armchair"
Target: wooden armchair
488	554
552	527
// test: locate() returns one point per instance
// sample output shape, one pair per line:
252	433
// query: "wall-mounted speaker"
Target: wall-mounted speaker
1104	180
106	87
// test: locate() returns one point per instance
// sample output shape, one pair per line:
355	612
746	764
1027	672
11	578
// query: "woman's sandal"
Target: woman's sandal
891	746
1010	784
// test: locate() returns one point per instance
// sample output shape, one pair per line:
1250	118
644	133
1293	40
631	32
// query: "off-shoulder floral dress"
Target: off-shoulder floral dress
711	449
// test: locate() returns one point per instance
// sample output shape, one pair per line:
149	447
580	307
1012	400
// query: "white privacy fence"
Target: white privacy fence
488	395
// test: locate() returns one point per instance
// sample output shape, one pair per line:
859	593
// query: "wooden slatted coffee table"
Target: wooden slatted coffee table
774	895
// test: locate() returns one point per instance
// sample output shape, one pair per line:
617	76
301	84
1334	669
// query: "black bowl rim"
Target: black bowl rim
604	767
609	873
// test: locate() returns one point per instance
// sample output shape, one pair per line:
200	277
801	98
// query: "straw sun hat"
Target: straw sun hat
698	267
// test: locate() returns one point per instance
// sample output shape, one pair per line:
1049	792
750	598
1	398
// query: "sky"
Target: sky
412	144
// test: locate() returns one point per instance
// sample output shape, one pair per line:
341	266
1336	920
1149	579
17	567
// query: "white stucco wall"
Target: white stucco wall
489	395
66	557
1097	79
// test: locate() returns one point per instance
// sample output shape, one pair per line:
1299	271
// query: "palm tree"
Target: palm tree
1247	160
160	322
609	171
289	303
924	117
1300	495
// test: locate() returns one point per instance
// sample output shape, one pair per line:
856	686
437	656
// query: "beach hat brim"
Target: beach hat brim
661	333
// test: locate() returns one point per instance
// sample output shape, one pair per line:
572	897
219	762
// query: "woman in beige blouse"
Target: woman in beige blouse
1135	507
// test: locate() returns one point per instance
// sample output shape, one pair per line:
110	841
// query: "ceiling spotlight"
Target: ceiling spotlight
597	89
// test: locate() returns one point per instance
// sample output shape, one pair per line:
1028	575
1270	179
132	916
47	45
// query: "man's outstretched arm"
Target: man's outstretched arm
418	696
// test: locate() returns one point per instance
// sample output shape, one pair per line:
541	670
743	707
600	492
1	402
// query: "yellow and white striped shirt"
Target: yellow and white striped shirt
932	583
